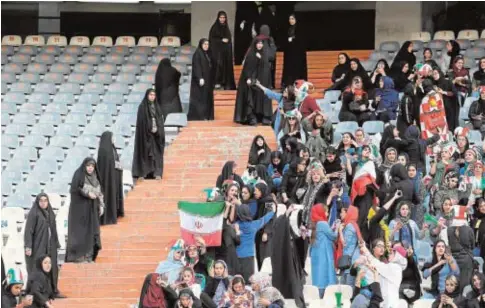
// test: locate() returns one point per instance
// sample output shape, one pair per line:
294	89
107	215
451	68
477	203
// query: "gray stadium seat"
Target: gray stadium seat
130	68
12	175
165	50
9	107
20	199
107	108
89	141
24	118
126	78
95	88
156	58
40	173
129	118
31	108
65	175
62	141
113	98
437	44
45	59
51	49
475	53
80	78
183	59
97	50
475	137
129	108
72	88
479	43
102	118
102	78
418	45
86	109
29	77
67	58
51	117
84	68
7	187
60	188
4	87
19	129
373	127
135	98
141	87
79	151
9	77
13	68
31	187
9	50
21	87
70	129
64	98
5	153
43	129
114	58
119	141
45	87
182	68
4	59
20	163
76	118
118	88
57	108
28	49
60	68
56	153
37	68
26	152
186	50
14	97
5	119
39	98
73	50
377	55
89	98
464	44
138	58
151	68
94	128
147	78
346	126
107	68
55	78
91	59
122	50
176	120
122	128
147	50
50	164
20	58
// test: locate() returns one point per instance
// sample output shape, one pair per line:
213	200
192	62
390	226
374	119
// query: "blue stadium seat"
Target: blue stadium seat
51	118
183	59
32	108
45	87
7	187
28	77
89	141
26	151
4	87
56	153
102	78
55	78
15	98
109	68
9	107
62	141
176	120
126	78
39	98
141	87
122	50
40	174
64	98
20	199
78	118
91	59
9	77
147	50
13	68
73	50
28	49
102	118
346	126
5	153
135	98
64	175
20	58
331	96
57	108
479	43
72	88
376	55
5	119
21	87
70	129
89	98
122	128
4	59
475	137
45	59
95	88
97	50
84	68
147	78
24	118
86	109
60	68
51	49
12	175
94	128
129	118
79	151
114	58
181	67
118	88
19	129
9	50
373	127
20	163
80	78
43	129
130	68
60	188
138	58
119	141
113	98
49	162
151	68
67	58
31	187
107	108
129	108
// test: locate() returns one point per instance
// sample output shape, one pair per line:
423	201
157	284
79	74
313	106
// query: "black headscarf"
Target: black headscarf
281	165
361	72
427	85
475	292
336	165
404	55
205	53
165	76
81	176
292	28
221	30
479	75
454	52
254	157
227	171
41	281
263	175
340	69
243	213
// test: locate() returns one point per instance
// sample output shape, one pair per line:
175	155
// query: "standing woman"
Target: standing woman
40	236
252	106
149	139
405	54
221	42
452	107
111	176
201	87
167	79
294	62
87	204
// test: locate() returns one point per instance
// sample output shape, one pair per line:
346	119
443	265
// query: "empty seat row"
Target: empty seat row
469	34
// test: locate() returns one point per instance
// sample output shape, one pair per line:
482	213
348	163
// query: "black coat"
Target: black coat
167	79
83	234
227	250
294	61
8	299
201	97
259	159
149	147
222	53
111	180
400	181
450	100
41	237
212	284
40	285
246	11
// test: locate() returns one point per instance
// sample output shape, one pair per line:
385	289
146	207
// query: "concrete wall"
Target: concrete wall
396	20
305	6
204	14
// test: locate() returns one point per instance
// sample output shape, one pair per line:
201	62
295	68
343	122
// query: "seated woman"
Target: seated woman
347	145
40	285
292	150
319	130
265	295
259	154
187	299
355	106
291	127
401	75
442	265
187	279
404	229
332	164
428	57
238	295
171	267
476	297
154	293
13	290
340	70
196	257
293	185
277	169
381	70
357	70
479	75
217	285
386	100
229	174
451	297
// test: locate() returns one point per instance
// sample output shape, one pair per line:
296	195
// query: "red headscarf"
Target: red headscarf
351	218
154	297
318	213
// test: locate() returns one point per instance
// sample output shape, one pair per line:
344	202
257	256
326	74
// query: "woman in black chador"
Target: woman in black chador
87	205
221	46
167	79
149	139
111	176
252	106
294	62
202	86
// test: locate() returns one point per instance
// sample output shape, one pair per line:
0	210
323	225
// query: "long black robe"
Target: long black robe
201	97
149	147
222	53
41	237
167	79
404	55
288	273
269	44
83	234
8	299
228	174
111	180
39	285
450	100
259	159
251	103
264	249
245	11
361	72
399	77
227	250
294	60
341	69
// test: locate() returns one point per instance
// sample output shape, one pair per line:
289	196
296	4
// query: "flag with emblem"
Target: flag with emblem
201	219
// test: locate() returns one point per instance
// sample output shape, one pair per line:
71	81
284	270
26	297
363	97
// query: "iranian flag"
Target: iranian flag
365	175
201	219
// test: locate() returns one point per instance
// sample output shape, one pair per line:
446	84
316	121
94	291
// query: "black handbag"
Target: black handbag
345	261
